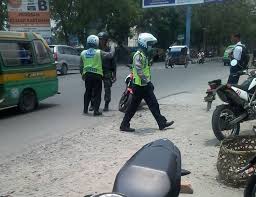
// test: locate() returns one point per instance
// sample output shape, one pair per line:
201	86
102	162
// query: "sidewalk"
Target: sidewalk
87	160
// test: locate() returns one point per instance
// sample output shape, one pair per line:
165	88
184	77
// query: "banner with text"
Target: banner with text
30	16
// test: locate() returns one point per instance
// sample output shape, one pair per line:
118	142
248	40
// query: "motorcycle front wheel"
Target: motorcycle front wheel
250	189
221	118
124	102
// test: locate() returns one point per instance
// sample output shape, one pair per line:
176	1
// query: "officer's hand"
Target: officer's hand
112	47
113	79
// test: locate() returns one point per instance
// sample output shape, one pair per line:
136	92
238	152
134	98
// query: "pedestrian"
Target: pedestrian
143	88
237	54
92	72
109	70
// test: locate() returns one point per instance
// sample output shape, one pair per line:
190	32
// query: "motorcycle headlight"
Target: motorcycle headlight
109	195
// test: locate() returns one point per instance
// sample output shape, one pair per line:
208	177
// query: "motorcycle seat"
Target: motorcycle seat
245	85
241	87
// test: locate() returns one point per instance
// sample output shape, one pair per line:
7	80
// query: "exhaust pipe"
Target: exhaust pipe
238	119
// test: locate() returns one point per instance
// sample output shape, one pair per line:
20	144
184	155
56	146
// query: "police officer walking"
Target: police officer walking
143	88
92	72
109	70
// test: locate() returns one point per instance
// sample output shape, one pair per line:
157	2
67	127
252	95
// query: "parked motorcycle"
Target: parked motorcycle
250	189
154	171
240	105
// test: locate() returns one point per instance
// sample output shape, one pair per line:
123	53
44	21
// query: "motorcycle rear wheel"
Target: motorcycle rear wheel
221	117
250	189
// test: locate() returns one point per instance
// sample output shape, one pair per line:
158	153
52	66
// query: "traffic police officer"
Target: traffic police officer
143	88
109	70
92	72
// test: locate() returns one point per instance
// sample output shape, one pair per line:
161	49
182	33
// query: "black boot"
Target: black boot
165	125
106	108
126	128
97	113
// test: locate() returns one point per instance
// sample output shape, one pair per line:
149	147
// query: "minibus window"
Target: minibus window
16	53
42	54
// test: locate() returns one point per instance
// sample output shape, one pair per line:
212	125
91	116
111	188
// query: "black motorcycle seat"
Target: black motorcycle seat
154	171
245	85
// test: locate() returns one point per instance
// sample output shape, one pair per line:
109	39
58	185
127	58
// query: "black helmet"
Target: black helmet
103	35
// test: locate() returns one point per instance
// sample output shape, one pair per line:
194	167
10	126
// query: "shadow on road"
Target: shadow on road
149	131
13	112
70	73
212	142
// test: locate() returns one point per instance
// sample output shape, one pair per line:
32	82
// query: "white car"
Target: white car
66	58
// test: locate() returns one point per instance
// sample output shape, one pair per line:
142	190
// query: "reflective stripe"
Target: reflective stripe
10	77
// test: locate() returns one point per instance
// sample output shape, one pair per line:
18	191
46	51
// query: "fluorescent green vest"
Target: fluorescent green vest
145	69
92	62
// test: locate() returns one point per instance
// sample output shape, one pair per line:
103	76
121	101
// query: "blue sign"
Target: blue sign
157	3
212	1
162	3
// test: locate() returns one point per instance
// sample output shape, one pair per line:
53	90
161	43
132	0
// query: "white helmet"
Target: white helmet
93	41
146	39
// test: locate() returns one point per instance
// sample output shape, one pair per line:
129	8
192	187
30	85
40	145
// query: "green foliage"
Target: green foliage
212	24
3	14
218	21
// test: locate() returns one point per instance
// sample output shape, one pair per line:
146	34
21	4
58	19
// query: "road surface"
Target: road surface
62	113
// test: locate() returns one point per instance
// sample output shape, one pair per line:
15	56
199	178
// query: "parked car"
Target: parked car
226	56
66	58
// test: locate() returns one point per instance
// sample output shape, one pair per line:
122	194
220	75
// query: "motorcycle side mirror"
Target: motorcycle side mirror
234	62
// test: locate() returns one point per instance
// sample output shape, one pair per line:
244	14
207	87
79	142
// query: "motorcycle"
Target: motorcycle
126	97
153	171
250	188
201	58
240	104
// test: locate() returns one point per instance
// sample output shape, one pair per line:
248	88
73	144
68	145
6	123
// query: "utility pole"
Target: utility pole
188	24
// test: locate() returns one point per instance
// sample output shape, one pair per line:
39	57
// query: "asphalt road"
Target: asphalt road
62	113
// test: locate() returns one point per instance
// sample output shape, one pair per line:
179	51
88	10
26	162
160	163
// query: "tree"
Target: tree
119	17
218	21
164	23
3	14
63	13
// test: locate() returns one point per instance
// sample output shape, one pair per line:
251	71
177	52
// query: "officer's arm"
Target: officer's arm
237	53
108	55
139	68
81	66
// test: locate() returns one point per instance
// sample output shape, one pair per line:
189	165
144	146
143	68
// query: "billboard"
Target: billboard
162	3
30	16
